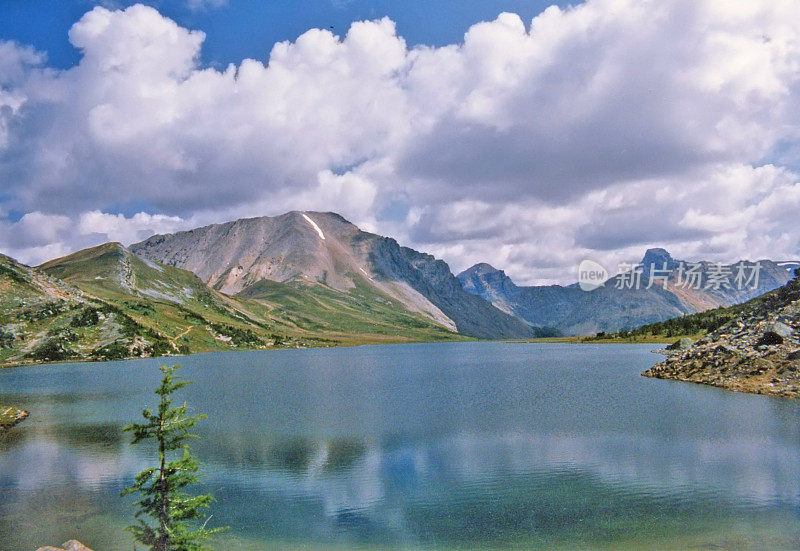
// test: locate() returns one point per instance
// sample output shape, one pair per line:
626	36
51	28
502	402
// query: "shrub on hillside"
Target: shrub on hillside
87	317
12	274
160	347
239	337
63	334
6	339
52	349
117	350
39	312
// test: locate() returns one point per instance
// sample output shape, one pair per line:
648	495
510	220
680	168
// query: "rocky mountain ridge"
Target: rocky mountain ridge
323	249
626	300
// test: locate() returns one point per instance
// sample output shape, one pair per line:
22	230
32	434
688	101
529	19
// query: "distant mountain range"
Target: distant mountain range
308	279
627	300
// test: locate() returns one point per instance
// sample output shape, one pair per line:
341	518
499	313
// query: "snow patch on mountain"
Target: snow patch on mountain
314	225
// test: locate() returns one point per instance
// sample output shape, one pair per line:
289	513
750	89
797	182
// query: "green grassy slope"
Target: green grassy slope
105	303
45	319
34	308
174	303
355	315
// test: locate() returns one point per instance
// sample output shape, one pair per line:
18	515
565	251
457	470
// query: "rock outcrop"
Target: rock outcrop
684	343
71	545
757	352
11	417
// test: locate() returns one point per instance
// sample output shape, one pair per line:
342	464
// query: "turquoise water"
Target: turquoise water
428	446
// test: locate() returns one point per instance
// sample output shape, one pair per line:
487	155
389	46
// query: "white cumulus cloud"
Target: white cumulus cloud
595	130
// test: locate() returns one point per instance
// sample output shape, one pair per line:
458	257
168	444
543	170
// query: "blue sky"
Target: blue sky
248	28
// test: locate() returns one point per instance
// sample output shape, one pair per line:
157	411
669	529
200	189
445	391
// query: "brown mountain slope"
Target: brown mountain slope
313	248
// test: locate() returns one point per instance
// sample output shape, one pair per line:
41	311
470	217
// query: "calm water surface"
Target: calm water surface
429	446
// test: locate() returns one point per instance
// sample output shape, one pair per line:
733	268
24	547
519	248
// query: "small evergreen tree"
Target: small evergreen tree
171	512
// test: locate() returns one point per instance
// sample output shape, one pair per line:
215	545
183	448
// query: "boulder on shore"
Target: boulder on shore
684	343
71	545
776	333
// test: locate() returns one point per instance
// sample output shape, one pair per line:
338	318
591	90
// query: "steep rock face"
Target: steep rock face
615	306
758	351
659	258
314	248
492	285
433	280
568	308
105	303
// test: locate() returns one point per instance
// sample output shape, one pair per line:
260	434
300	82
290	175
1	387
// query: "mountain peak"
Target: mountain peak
482	268
489	283
658	257
111	251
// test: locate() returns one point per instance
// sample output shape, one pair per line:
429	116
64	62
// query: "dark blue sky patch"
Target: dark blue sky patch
249	28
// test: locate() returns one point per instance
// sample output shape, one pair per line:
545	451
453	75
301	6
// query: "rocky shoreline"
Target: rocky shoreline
758	352
11	417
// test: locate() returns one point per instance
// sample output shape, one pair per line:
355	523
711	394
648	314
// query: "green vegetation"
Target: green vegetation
52	349
87	317
237	336
609	339
44	311
6	339
362	314
105	304
14	275
166	515
116	350
688	325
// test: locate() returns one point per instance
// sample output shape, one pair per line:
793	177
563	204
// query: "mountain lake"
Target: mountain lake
477	445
